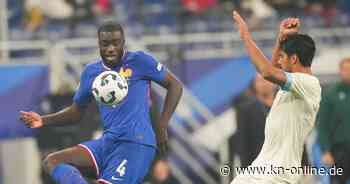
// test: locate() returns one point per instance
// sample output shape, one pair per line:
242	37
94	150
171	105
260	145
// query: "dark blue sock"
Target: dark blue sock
67	174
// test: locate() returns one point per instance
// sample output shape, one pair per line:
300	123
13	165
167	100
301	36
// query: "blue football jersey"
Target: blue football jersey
129	120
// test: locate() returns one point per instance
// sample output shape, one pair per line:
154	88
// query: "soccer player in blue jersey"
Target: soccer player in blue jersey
124	153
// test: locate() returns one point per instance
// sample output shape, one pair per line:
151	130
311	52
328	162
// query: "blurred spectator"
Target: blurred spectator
34	15
34	18
198	6
37	10
259	11
249	137
334	123
102	7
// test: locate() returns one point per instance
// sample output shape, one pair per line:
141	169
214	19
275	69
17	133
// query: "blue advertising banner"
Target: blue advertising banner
21	88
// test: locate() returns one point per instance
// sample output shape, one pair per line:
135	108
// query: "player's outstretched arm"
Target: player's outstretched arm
174	91
69	114
287	26
262	64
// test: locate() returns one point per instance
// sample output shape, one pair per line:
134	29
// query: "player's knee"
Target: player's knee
50	162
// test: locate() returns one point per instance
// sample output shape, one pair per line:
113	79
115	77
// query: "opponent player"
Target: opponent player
128	145
294	109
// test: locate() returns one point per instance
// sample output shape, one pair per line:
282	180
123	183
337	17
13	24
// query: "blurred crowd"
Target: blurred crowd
154	16
69	11
324	12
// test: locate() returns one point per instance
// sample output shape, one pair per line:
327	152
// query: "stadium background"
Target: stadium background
44	45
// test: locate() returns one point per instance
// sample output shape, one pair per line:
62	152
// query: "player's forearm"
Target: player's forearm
260	61
71	114
174	92
262	64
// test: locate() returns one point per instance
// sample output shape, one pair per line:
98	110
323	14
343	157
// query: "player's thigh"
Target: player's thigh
128	164
76	156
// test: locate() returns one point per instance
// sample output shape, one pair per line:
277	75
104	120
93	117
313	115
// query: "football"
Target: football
109	88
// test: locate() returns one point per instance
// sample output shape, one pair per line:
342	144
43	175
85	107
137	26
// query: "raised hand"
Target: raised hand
288	26
241	25
31	119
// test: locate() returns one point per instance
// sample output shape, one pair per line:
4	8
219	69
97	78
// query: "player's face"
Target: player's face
285	62
111	47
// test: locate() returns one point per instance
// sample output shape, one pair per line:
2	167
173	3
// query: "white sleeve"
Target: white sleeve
303	86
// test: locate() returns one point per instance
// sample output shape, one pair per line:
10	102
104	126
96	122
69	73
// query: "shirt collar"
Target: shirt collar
125	52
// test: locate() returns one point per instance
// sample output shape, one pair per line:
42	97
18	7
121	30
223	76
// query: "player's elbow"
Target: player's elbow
173	86
177	86
76	112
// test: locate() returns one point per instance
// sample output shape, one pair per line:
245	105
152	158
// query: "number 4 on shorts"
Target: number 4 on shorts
122	167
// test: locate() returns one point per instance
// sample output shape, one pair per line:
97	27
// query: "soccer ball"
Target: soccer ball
109	88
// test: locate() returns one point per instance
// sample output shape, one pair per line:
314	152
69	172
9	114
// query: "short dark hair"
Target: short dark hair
110	27
302	45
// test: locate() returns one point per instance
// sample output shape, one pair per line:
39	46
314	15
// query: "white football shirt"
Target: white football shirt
291	119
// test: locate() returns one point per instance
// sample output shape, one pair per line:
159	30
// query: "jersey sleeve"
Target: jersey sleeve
303	86
152	69
83	94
